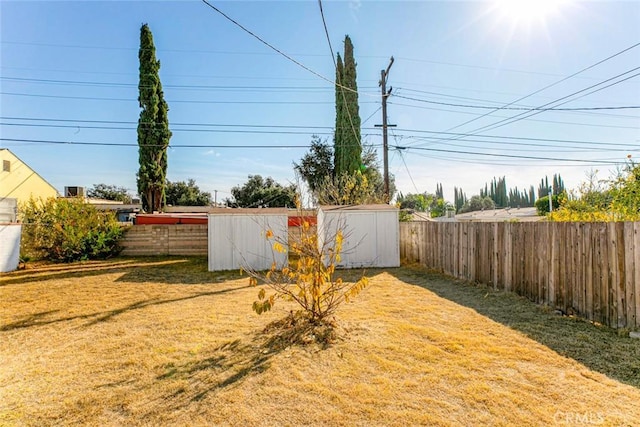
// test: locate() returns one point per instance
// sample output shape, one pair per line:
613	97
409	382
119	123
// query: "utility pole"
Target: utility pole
385	143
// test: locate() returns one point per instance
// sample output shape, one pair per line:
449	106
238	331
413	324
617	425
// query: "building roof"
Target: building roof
30	168
248	211
507	214
372	207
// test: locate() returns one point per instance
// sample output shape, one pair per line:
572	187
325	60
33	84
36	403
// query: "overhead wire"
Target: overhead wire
514	156
395	138
171	86
272	47
406	131
488	107
519	117
503	162
304	54
533	120
127	144
608	58
93	98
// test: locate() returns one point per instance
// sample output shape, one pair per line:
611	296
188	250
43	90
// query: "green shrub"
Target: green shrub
68	230
542	204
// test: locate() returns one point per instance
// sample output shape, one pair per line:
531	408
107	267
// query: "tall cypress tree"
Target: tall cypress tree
153	127
347	141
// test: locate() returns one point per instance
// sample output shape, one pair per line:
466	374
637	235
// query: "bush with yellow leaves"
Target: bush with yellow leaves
310	280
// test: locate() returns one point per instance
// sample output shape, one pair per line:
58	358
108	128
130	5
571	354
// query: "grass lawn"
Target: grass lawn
164	342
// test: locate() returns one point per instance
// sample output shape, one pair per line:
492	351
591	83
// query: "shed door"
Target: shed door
359	248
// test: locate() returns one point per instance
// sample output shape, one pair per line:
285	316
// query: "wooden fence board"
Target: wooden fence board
619	284
589	268
629	267
636	272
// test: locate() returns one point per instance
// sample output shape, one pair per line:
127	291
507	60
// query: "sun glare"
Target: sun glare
528	11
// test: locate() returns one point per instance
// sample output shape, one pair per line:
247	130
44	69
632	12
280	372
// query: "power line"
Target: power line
126	144
519	117
487	107
503	163
522	147
395	138
93	98
260	126
305	54
122	73
552	84
490	101
527	114
172	124
520	138
173	129
270	46
198	87
525	118
371	115
604	146
514	156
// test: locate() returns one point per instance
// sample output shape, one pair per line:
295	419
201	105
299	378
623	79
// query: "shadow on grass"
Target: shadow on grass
598	347
238	359
170	270
40	319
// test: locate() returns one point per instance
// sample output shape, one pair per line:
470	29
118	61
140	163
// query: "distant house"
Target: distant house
501	215
19	181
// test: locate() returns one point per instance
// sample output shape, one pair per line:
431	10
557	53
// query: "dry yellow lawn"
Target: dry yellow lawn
164	342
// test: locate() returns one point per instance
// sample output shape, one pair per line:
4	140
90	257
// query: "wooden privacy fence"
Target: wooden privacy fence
590	269
174	239
163	239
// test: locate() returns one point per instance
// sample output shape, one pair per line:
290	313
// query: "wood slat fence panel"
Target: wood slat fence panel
588	269
165	239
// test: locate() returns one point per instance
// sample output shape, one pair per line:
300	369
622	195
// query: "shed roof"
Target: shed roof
248	211
372	207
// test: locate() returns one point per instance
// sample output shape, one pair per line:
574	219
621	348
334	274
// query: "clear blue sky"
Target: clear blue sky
63	63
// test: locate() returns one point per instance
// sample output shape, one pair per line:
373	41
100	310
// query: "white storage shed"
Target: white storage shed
9	246
237	238
371	234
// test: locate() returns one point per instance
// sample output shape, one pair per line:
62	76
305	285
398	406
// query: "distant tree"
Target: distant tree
182	193
416	202
478	203
371	168
317	164
153	127
557	184
363	186
459	198
439	192
348	189
347	140
425	202
595	193
496	191
258	192
440	208
542	204
625	191
521	199
109	192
